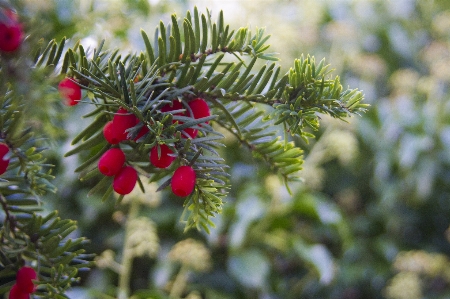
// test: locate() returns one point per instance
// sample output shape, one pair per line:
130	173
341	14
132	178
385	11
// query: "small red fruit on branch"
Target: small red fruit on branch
24	279
69	91
111	162
11	34
183	181
24	285
115	131
199	109
4	162
164	160
122	121
17	293
125	180
110	133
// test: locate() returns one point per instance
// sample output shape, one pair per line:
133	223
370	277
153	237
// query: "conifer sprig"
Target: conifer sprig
185	61
26	235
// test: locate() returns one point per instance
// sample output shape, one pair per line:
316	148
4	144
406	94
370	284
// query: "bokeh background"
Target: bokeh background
370	218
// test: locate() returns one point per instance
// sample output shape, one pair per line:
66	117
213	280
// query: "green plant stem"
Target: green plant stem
127	253
179	284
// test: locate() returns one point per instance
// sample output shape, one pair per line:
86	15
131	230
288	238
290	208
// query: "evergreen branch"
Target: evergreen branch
197	44
205	202
180	67
26	156
59	256
283	158
25	235
309	93
8	217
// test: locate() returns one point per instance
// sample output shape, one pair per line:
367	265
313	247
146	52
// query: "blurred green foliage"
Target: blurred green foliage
372	215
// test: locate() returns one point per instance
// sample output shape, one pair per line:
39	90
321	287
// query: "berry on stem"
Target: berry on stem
69	91
24	279
4	149
183	181
17	293
111	162
10	33
122	121
199	109
111	135
125	180
164	160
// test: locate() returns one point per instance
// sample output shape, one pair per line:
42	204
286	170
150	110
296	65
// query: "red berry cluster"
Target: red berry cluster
183	179
112	162
70	91
115	131
11	34
4	162
24	285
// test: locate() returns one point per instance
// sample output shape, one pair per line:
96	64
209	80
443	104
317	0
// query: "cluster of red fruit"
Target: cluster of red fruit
24	285
112	162
183	179
11	34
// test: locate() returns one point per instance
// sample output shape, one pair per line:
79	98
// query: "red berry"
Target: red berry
110	133
17	293
199	108
111	162
69	91
122	121
125	180
10	33
164	160
24	279
183	181
4	149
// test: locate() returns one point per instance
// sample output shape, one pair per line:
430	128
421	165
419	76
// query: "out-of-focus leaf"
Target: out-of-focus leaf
318	257
247	210
250	267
